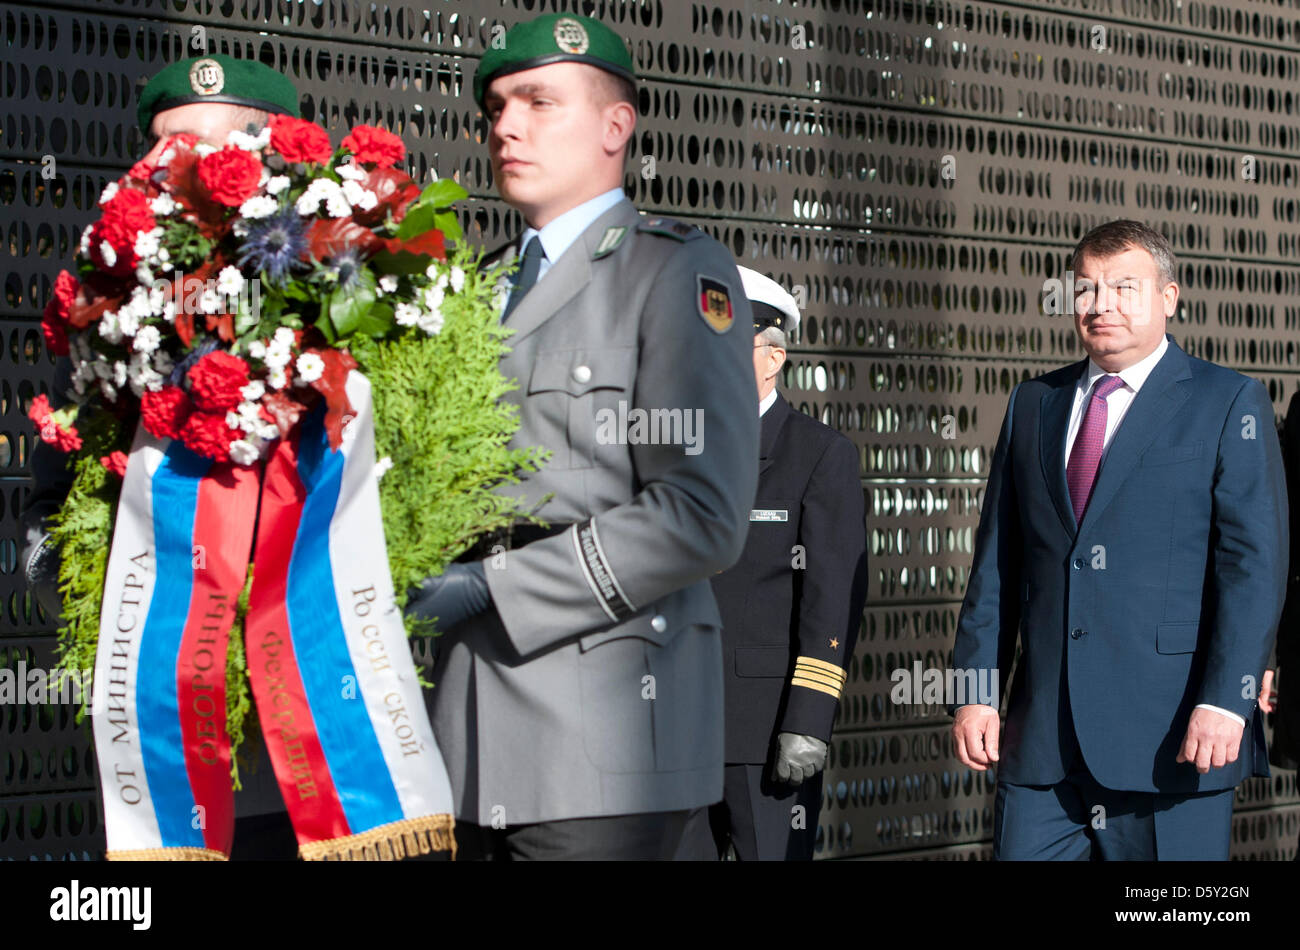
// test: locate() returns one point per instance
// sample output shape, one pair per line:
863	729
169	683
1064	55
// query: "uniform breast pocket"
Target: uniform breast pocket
583	395
1172	454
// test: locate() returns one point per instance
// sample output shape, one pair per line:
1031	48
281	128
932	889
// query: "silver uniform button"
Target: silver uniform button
582	374
659	623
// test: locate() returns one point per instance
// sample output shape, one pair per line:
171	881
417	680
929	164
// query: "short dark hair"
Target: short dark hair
1116	237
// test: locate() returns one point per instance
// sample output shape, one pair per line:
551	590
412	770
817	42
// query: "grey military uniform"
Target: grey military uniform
593	685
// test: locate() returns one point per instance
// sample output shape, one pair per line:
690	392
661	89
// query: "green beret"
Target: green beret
554	38
217	78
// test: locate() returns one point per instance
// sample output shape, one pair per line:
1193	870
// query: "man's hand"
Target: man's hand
1266	695
41	562
458	593
975	733
1212	740
797	758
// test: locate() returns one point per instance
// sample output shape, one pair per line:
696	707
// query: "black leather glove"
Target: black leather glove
41	561
797	758
455	595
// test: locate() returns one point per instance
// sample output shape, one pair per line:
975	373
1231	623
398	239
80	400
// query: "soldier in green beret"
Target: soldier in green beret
579	696
211	96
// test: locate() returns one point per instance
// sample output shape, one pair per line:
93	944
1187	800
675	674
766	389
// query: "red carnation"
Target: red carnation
369	144
115	462
54	322
164	412
215	381
206	434
63	438
299	140
231	175
126	214
142	171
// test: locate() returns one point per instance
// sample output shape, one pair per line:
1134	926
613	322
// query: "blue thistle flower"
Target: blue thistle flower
274	245
347	266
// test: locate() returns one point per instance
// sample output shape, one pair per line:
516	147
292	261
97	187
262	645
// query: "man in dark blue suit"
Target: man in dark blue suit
1133	538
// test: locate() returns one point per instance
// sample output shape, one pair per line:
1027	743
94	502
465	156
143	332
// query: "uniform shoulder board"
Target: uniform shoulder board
671	228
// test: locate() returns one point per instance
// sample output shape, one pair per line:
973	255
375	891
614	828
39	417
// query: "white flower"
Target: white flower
277	378
240	228
323	189
431	323
310	367
146	243
406	315
350	172
257	350
164	255
162	362
431	271
84	247
108	389
169	311
210	301
249	143
119	373
128	321
283	336
143	275
363	198
268	431
107	253
336	206
277	357
157	299
276	184
107	194
443	282
433	297
163	205
203	149
147	339
101	367
457	280
243	452
230	281
259	206
109	328
388	283
382	466
253	391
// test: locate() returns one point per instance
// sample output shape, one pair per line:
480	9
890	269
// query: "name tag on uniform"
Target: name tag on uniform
769	514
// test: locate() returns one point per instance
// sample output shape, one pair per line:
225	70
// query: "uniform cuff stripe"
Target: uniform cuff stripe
818	677
597	571
822	666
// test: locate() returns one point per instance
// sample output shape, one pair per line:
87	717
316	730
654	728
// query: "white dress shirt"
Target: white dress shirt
766	402
558	234
1117	405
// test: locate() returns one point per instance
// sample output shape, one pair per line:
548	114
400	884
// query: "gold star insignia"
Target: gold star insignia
835	644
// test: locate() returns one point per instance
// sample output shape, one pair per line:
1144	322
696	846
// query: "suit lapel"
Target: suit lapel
770	430
567	276
1054	428
1151	409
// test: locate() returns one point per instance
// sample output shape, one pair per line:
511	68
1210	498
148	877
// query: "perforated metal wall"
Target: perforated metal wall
918	168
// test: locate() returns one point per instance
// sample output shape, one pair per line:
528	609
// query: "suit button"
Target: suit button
659	623
1078	563
1078	632
582	374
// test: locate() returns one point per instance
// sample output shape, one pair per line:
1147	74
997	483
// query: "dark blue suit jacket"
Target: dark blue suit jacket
1167	595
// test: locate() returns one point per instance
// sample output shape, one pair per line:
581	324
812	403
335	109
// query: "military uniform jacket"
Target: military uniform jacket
792	604
593	685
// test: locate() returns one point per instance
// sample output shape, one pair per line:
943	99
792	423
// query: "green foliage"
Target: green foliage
239	699
82	530
440	418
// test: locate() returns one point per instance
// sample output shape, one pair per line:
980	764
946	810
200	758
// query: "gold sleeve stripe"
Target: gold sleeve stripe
800	681
822	665
819	677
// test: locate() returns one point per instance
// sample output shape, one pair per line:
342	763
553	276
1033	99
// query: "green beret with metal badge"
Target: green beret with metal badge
554	38
217	78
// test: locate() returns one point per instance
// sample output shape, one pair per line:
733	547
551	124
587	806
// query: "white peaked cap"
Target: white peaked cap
762	289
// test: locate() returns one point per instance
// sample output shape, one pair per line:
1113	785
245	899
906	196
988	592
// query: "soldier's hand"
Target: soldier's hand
797	757
41	561
975	733
458	593
1212	740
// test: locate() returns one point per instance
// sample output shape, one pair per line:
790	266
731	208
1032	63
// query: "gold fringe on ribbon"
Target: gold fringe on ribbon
166	854
391	842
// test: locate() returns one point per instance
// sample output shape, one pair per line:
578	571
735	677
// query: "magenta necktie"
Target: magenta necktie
1085	456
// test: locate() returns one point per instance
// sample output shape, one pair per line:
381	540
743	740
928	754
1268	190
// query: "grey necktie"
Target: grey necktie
526	276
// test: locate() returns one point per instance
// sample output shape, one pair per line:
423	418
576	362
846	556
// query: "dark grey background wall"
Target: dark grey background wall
916	170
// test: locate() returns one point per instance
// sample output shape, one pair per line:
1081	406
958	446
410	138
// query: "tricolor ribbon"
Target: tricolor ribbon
332	675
